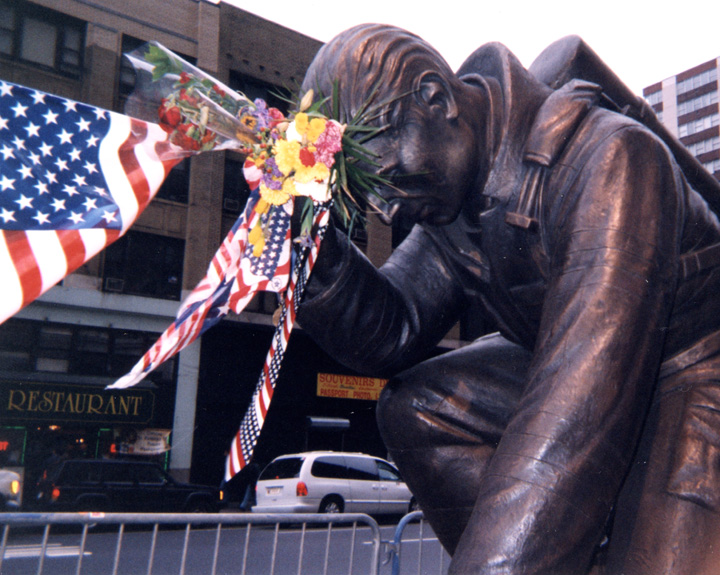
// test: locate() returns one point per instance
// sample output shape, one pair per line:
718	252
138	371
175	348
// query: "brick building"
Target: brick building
687	104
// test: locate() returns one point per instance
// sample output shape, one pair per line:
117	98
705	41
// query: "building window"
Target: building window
235	189
42	37
274	96
697	103
704	146
176	186
713	166
144	264
75	350
654	98
699	125
706	77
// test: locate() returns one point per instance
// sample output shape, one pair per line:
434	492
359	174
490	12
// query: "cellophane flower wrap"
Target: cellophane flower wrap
303	157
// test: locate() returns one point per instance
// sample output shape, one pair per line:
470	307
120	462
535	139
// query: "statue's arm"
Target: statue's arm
382	320
554	477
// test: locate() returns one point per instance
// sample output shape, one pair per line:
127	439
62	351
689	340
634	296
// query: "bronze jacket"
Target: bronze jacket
586	246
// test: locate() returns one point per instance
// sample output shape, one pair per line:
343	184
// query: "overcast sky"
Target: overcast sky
642	42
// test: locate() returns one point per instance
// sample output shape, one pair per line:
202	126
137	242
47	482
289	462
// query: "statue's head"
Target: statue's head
425	147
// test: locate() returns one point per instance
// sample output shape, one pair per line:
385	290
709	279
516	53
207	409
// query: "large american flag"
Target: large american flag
73	178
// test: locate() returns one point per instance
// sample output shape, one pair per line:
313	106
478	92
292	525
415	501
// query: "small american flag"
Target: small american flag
233	277
73	178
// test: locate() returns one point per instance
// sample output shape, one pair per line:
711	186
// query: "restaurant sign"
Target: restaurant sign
82	403
349	386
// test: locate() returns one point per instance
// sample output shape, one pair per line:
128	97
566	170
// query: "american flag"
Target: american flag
243	444
233	277
73	178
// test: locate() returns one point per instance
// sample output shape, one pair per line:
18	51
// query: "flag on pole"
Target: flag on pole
73	178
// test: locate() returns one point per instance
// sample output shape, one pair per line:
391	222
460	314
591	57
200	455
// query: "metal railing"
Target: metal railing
416	554
207	543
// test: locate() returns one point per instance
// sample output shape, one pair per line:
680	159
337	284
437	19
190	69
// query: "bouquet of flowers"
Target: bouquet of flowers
306	156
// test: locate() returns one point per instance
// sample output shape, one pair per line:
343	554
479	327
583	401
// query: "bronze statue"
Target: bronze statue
585	433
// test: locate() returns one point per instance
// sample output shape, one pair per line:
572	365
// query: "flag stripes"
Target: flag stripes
74	178
243	444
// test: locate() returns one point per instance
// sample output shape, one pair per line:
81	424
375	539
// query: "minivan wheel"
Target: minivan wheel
332	504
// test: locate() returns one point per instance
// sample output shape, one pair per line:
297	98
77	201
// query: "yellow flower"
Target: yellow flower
273	197
316	127
301	123
288	187
286	156
256	237
305	174
262	206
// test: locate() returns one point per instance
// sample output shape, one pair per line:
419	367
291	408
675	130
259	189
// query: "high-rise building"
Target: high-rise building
687	104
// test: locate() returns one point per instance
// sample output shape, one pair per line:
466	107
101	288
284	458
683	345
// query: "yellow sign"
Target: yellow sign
349	386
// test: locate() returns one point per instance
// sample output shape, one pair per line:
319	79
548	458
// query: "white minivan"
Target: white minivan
331	482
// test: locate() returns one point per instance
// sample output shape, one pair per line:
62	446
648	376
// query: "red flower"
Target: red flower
184	141
276	117
219	90
184	77
170	116
307	158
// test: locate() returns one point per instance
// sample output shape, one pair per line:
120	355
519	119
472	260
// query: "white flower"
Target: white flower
318	191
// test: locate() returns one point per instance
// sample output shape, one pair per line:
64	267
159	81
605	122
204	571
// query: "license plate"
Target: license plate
274	490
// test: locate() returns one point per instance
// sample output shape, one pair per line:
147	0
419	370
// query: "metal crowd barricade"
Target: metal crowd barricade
416	553
207	543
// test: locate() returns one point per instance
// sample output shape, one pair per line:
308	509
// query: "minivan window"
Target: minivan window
387	473
332	467
362	468
288	468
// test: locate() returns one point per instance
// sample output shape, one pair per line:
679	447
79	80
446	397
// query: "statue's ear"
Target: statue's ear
434	90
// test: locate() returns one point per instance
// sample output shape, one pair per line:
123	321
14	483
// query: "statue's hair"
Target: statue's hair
372	58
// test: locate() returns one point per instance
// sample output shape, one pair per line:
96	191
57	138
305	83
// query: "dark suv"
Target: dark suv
122	486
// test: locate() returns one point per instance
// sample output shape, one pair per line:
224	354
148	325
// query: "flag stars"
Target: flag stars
61	164
92	141
5	89
90	167
32	130
65	137
70	106
79	180
51	177
42	188
25	172
76	218
3	123
58	204
50	117
7	152
24	202
90	204
70	190
7	215
45	149
41	218
34	158
99	114
74	154
7	183
109	217
18	143
83	125
19	110
38	97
